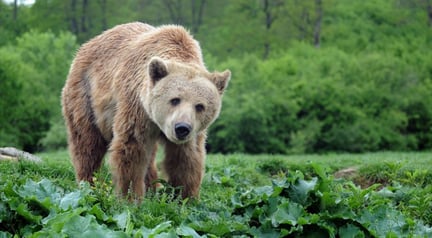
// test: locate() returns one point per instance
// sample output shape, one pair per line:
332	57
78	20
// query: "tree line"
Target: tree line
308	75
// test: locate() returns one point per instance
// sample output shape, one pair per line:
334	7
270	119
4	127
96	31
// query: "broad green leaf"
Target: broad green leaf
70	200
123	220
95	233
187	231
264	232
299	192
236	200
143	232
48	233
168	234
264	192
40	190
77	225
86	226
287	213
56	221
282	183
383	221
273	204
97	211
102	232
350	231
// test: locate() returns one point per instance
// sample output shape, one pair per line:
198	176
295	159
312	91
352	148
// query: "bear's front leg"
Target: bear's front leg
184	165
129	163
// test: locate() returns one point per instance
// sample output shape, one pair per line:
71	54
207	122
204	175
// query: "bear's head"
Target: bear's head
182	100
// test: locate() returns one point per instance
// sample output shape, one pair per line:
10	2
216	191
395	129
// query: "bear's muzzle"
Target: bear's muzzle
182	130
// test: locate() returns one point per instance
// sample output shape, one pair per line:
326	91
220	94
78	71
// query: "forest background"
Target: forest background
309	76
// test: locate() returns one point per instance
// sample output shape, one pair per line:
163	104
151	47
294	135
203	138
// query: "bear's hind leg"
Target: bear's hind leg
87	145
87	148
87	155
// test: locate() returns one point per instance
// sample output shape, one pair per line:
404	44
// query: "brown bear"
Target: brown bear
135	86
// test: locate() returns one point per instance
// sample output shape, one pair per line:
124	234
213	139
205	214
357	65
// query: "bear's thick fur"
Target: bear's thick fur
134	86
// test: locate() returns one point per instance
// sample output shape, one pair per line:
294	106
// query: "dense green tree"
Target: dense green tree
38	63
9	89
313	101
13	21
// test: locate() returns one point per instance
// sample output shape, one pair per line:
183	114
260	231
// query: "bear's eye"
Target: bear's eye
175	101
199	107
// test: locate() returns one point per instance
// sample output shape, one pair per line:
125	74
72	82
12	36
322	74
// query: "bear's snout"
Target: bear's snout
182	130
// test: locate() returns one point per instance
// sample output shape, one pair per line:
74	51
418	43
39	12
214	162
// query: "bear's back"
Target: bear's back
170	42
108	44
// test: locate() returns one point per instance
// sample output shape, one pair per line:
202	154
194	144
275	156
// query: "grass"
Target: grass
413	160
235	197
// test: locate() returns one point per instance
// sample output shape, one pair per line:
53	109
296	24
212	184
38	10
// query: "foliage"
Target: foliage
33	74
36	201
56	137
313	101
12	24
8	91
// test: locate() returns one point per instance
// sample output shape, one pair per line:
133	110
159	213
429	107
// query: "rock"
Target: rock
346	173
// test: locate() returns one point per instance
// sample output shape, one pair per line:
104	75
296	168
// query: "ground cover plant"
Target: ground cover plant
387	195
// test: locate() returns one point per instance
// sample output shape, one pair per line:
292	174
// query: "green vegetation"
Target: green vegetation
34	71
241	196
308	76
309	100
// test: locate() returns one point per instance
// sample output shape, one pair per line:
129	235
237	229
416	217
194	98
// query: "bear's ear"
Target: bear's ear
157	69
221	80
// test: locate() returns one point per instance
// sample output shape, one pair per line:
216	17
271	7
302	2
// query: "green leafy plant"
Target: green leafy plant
240	196
295	206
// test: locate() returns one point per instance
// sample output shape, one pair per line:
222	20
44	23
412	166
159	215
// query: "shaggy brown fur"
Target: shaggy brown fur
135	85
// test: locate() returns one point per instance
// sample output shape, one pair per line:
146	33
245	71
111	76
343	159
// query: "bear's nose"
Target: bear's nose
182	130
